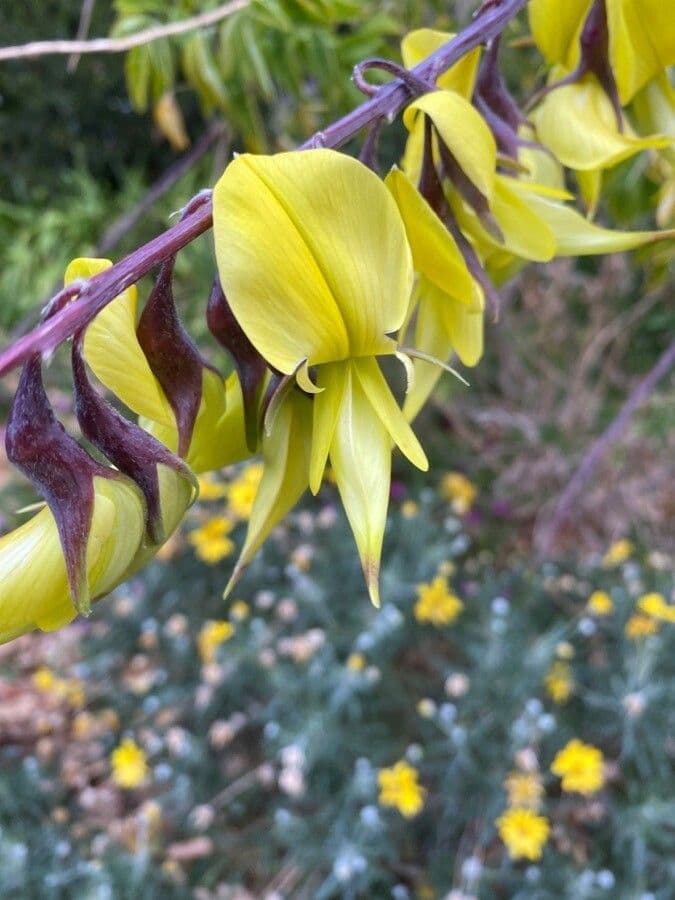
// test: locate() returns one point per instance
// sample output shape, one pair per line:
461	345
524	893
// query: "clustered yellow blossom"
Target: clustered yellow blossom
524	790
400	788
559	682
618	553
580	766
129	764
600	604
211	541
639	626
436	603
656	606
524	833
242	491
68	689
459	492
212	635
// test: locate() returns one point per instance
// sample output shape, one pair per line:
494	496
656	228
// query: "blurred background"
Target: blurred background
174	745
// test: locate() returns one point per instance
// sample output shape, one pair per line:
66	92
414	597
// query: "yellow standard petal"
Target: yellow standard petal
312	256
556	27
641	42
417	45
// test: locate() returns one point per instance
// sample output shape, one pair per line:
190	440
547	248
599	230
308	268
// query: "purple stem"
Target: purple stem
386	103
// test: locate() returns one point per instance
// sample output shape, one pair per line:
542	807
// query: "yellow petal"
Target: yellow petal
336	271
378	392
112	350
435	253
464	131
34	590
431	338
654	110
331	377
284	479
590	186
417	45
361	459
576	236
556	27
577	123
641	42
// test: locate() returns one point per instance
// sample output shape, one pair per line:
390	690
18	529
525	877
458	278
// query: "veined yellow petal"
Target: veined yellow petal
338	270
641	42
284	479
556	27
465	133
577	123
330	377
368	373
576	236
34	591
430	337
112	350
417	45
435	253
361	459
413	154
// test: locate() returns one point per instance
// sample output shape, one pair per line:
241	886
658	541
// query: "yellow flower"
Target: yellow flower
242	491
356	662
68	689
525	790
581	767
44	679
600	604
210	489
524	833
399	788
436	603
656	606
129	764
212	635
239	610
459	491
559	683
618	553
639	626
210	540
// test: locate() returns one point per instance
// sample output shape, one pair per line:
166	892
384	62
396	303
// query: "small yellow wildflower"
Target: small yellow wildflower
600	604
241	492
459	491
639	626
44	679
129	764
618	553
436	603
524	833
210	489
240	610
657	606
356	662
400	788
409	509
580	766
559	683
525	790
210	540
212	635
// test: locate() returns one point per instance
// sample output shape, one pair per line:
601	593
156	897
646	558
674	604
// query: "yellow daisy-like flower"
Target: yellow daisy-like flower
400	788
459	492
210	489
618	553
436	603
600	604
580	766
210	539
524	833
559	682
212	635
639	626
129	764
524	790
242	491
656	606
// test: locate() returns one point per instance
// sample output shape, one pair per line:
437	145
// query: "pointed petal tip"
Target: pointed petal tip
237	572
371	571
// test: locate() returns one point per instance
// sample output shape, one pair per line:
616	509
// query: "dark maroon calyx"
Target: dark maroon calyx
128	447
59	469
249	364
